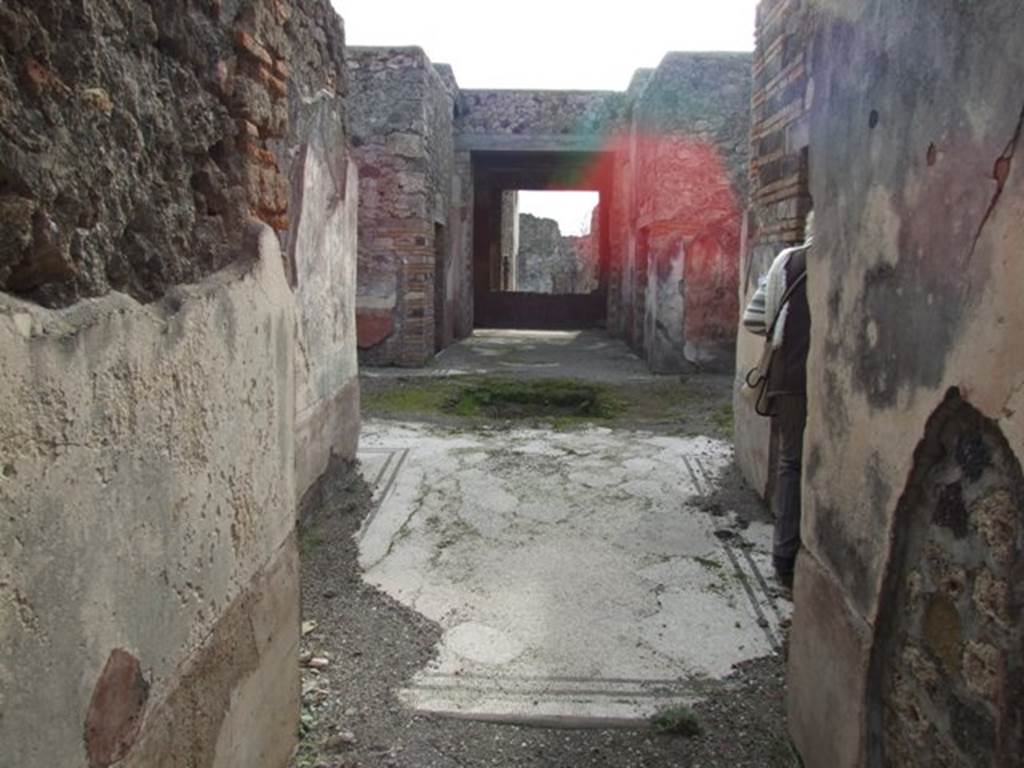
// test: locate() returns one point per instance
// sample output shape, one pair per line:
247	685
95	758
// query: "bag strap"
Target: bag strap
761	382
785	299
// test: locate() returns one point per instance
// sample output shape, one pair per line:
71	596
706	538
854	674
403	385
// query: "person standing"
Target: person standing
779	311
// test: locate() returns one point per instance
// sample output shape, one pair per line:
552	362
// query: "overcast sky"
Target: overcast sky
551	44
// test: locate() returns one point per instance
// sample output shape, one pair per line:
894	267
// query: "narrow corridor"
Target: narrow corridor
571	571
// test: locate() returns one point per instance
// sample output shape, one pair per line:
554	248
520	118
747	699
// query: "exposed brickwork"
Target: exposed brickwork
401	116
779	196
951	658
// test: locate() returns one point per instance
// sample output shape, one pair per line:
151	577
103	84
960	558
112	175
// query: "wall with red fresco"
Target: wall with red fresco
679	192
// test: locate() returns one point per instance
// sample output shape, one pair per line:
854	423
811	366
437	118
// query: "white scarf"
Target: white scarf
775	289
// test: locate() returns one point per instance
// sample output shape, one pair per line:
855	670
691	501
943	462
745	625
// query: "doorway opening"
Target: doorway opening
549	242
541	240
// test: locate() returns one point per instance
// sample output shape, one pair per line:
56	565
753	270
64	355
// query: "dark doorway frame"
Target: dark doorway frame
495	172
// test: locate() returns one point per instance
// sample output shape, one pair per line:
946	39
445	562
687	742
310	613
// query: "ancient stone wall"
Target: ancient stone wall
101	188
779	195
550	262
505	114
948	674
906	640
401	111
687	149
151	449
439	276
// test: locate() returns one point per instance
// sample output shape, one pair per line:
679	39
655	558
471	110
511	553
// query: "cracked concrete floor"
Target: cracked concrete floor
575	575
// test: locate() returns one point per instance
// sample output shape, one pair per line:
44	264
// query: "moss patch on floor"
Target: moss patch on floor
696	405
406	397
498	398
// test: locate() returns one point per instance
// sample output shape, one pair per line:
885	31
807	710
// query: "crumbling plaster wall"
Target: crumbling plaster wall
148	450
401	114
326	365
687	144
915	426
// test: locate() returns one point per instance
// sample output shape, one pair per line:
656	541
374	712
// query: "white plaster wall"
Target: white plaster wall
751	431
146	477
326	252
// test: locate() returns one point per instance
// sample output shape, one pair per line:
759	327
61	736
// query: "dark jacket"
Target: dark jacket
788	374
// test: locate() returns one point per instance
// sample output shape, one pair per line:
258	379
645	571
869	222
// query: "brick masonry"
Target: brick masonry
133	171
401	117
681	132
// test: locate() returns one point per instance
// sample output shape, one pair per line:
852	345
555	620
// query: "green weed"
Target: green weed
678	720
723	420
560	399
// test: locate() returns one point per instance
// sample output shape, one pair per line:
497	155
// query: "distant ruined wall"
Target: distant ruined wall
906	646
779	194
156	338
550	262
687	153
586	255
401	111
